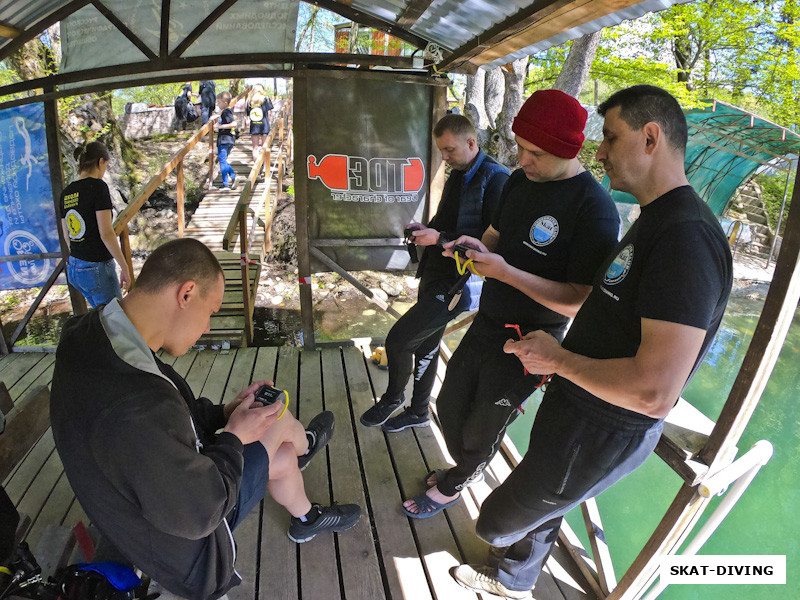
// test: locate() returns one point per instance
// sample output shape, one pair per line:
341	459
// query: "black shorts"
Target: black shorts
260	128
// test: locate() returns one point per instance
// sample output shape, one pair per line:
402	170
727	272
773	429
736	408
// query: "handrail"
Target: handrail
246	193
238	220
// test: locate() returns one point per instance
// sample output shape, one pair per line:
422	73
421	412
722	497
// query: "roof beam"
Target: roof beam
134	39
414	10
163	50
374	22
90	76
37	28
9	31
513	25
201	28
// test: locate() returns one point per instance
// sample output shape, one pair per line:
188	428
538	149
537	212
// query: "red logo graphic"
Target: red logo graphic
342	173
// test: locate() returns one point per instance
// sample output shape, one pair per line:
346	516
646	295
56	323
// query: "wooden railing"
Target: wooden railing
265	206
174	164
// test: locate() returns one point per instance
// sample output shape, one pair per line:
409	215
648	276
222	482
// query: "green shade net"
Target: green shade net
726	146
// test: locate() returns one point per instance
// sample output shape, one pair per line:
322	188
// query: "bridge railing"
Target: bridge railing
263	209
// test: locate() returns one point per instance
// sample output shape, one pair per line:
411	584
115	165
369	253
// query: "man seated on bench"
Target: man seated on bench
142	453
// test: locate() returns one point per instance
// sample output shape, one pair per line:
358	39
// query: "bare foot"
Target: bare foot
434	494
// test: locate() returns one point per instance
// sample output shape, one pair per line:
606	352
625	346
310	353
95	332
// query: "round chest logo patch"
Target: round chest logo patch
544	231
75	224
256	114
620	266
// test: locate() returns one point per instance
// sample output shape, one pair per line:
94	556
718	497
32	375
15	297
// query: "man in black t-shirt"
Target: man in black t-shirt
554	225
655	307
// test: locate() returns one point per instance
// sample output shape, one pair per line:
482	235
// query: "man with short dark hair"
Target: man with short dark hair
143	454
554	225
655	307
468	202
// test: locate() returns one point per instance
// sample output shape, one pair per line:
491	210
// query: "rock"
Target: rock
392	289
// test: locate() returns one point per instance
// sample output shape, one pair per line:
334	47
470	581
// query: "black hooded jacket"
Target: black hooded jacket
142	457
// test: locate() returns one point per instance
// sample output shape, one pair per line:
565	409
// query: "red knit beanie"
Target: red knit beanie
552	120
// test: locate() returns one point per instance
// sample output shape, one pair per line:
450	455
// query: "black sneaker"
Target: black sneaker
378	414
405	420
338	517
319	432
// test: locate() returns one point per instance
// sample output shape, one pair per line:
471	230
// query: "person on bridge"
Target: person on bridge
208	99
226	138
86	222
469	200
142	453
257	111
657	302
554	226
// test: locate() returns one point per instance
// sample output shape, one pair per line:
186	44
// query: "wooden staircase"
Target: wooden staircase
208	224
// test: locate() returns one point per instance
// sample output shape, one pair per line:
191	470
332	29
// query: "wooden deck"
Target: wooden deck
386	556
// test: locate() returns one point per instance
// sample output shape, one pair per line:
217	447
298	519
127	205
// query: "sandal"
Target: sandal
427	506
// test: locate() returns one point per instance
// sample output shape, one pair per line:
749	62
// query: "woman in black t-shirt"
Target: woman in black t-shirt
258	107
86	221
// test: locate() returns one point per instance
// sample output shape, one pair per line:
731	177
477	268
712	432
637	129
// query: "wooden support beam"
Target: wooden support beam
123	29
181	199
37	301
201	28
779	309
413	11
301	210
31	32
9	31
597	540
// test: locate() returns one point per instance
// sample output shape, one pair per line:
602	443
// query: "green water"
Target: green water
765	520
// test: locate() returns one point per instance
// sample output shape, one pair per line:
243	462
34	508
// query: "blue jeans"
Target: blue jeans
224	166
97	281
255	476
578	448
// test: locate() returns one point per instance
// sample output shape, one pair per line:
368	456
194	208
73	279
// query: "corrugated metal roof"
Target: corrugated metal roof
452	24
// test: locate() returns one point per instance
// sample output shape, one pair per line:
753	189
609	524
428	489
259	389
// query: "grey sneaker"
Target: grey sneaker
337	517
480	578
377	415
405	420
319	432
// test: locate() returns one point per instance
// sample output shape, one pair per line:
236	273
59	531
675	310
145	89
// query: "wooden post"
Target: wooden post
125	245
247	302
301	211
181	200
57	183
436	167
211	158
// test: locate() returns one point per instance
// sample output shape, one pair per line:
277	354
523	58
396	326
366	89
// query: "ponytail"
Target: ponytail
89	155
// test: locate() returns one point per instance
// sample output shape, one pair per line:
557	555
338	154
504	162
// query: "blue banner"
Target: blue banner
27	213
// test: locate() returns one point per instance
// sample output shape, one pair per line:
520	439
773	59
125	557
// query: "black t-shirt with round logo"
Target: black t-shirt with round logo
80	202
674	265
560	230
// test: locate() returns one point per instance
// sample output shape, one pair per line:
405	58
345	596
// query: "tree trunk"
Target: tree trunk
474	107
575	70
505	143
494	89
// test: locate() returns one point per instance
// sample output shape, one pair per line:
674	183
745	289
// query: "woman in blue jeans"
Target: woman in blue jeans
86	221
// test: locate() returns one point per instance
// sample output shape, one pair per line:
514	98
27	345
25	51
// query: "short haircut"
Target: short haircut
89	156
642	104
177	262
226	96
458	125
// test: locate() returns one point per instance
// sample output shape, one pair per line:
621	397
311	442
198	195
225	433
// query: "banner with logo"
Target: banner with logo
27	215
367	153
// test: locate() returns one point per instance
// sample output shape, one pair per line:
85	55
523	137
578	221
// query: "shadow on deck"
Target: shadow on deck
386	556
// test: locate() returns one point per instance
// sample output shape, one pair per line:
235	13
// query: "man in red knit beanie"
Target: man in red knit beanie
553	226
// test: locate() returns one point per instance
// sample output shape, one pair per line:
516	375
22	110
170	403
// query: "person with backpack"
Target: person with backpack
208	100
182	107
258	107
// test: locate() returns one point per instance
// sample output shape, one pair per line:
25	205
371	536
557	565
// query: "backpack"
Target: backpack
191	113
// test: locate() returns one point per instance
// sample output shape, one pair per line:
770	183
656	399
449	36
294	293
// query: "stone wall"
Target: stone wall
140	121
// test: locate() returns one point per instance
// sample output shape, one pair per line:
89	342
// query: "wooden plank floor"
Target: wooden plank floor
386	556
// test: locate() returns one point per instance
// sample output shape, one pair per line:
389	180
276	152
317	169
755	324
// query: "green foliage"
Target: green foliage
290	190
773	187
